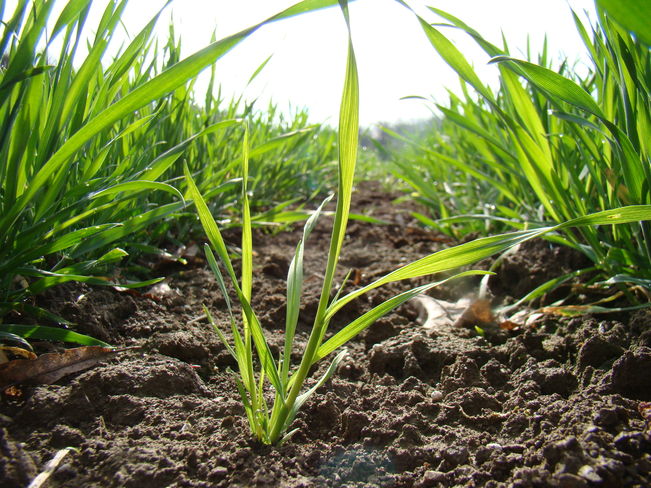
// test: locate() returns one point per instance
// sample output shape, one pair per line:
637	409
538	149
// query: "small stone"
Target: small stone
590	474
495	446
630	442
219	473
568	480
432	476
456	456
606	417
436	395
632	374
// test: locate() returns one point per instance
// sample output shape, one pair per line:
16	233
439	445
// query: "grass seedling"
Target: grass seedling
271	424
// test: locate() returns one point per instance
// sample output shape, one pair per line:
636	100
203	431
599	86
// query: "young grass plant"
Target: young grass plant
271	424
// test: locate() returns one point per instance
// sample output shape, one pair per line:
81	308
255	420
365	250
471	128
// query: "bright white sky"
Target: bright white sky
394	57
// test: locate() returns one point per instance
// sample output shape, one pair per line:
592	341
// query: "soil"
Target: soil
558	403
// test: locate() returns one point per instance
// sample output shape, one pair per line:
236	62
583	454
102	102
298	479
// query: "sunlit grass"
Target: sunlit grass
547	146
93	148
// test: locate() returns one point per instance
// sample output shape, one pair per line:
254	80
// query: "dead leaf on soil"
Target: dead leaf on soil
18	351
50	367
435	313
477	314
462	313
160	291
508	325
469	313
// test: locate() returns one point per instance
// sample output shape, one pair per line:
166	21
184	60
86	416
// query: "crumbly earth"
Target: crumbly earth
558	403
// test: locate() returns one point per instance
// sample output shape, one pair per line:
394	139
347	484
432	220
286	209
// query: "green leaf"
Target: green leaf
295	288
555	85
633	15
478	249
127	227
454	58
136	186
361	323
51	334
209	225
153	89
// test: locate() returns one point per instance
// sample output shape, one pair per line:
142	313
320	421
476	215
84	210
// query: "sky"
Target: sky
395	59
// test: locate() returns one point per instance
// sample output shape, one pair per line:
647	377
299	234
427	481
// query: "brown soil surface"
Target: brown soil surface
556	404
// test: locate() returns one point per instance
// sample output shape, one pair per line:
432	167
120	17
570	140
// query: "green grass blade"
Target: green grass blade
622	215
555	85
161	164
247	236
478	249
64	242
294	290
300	401
137	186
361	323
453	57
126	228
348	142
219	333
209	224
633	15
279	141
42	332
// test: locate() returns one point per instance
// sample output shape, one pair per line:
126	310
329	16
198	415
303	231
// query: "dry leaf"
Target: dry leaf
478	313
357	277
50	367
19	351
435	313
508	325
160	291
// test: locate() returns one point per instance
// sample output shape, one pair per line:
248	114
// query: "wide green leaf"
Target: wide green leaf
633	15
51	334
555	85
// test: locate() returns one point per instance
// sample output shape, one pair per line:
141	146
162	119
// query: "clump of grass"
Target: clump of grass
270	422
93	148
549	145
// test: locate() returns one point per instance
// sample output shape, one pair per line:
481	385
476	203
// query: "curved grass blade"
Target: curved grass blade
361	323
554	84
136	186
454	58
478	249
51	334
